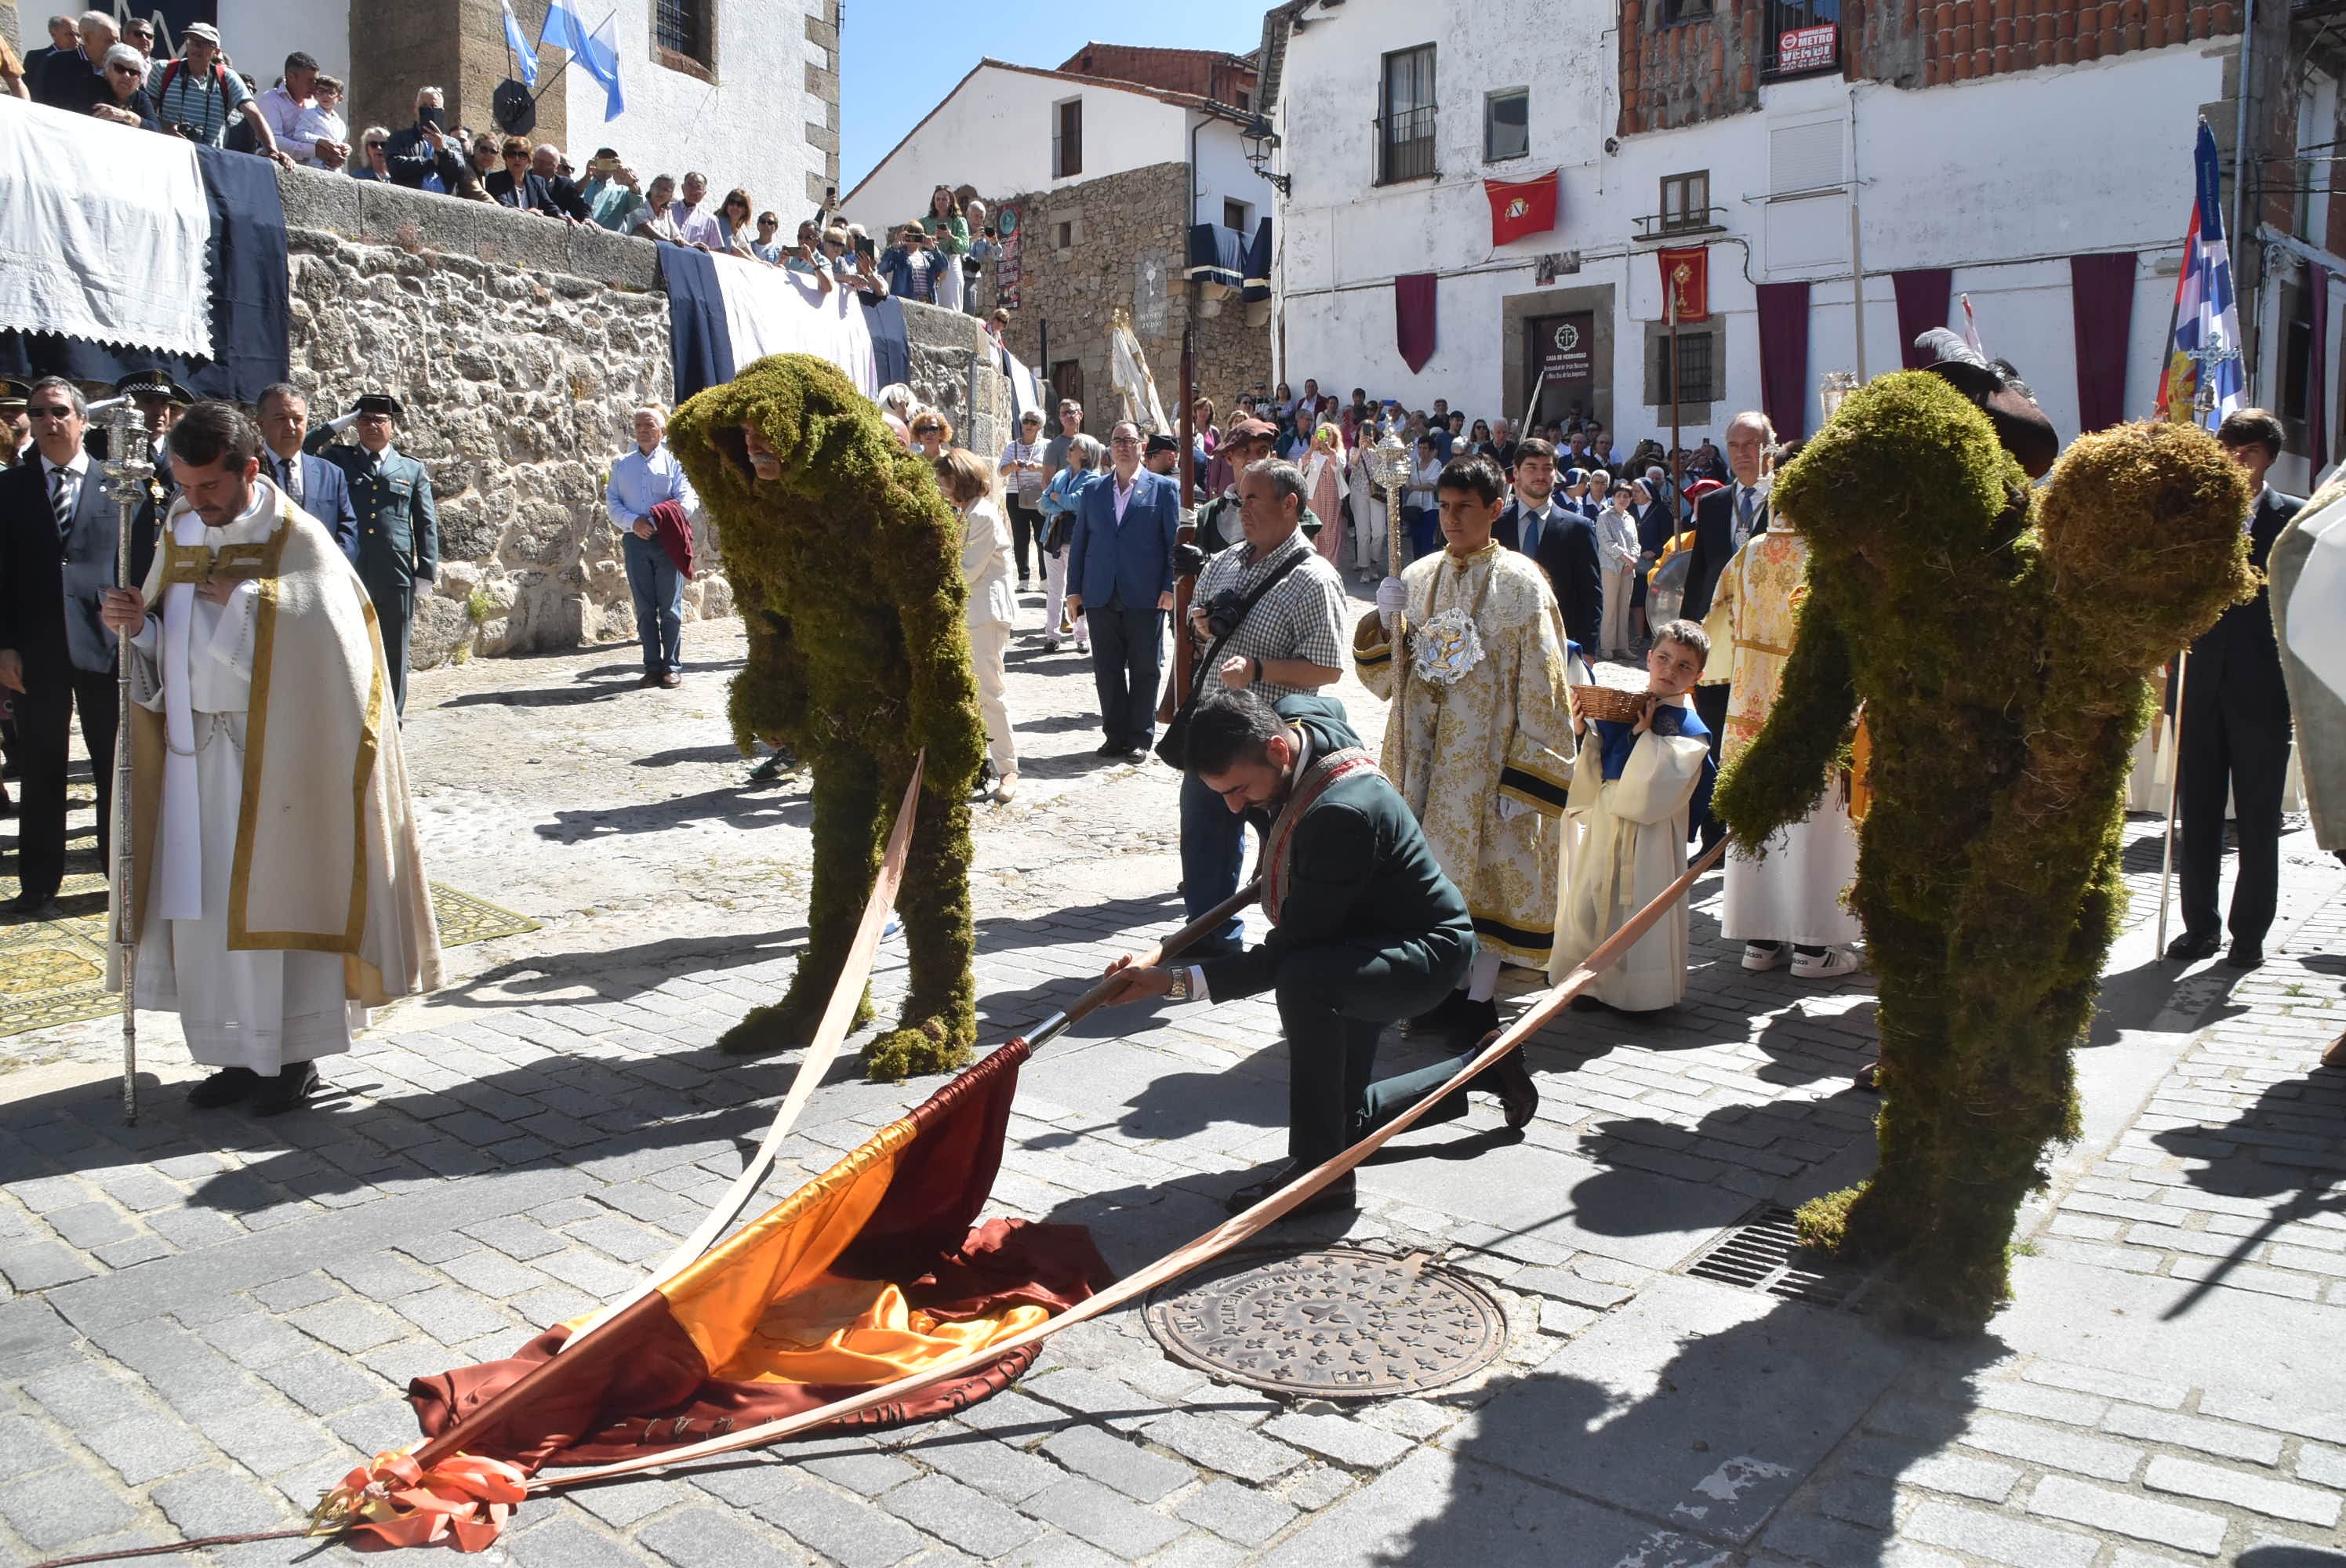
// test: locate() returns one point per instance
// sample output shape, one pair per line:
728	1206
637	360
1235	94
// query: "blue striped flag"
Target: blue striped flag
2203	378
524	58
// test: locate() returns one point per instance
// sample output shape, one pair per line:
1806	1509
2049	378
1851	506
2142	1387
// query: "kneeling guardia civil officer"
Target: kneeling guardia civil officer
1366	929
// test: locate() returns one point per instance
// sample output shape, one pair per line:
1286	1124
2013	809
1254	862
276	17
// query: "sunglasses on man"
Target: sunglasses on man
51	411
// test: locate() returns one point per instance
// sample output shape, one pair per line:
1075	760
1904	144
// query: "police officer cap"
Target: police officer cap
1160	442
14	394
378	402
153	383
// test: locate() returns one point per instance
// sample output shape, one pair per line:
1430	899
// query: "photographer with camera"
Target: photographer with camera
1267	616
196	95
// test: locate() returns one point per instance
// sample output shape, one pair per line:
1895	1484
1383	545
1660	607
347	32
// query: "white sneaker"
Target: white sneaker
1829	964
1762	955
1005	789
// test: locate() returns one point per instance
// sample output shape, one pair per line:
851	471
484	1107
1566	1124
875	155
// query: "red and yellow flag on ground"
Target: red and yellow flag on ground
872	1270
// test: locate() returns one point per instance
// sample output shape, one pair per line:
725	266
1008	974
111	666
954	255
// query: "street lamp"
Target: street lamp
1259	140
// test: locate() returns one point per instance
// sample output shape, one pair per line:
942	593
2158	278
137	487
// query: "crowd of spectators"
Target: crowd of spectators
1639	506
94	67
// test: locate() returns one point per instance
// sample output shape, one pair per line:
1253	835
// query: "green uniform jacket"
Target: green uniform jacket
1362	872
399	528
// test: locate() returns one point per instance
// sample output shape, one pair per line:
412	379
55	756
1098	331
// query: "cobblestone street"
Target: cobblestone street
209	1318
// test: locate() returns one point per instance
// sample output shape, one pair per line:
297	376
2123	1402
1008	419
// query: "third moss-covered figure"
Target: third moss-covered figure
847	562
2000	638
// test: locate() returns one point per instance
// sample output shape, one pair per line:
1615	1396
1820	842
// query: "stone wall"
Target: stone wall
519	348
1127	243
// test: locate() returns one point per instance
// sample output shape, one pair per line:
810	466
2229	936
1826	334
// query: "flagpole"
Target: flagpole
1671	310
2174	780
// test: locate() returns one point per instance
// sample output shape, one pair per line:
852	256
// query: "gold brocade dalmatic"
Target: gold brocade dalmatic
1753	619
325	829
1485	761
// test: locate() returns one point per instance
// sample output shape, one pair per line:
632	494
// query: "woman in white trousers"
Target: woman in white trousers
968	483
1616	553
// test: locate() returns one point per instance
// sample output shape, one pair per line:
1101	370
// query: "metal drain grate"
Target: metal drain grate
1764	1253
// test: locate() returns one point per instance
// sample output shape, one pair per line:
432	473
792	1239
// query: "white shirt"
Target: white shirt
1532	522
76	471
287	472
282	110
1124	489
639	482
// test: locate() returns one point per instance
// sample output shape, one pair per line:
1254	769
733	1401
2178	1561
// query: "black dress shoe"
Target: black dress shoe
1109	749
30	903
2193	946
292	1084
1519	1095
1338	1194
2246	955
225	1087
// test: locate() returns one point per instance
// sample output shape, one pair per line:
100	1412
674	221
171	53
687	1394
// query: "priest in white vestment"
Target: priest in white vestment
1794	892
278	892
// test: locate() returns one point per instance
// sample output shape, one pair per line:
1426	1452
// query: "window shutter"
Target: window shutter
1804	157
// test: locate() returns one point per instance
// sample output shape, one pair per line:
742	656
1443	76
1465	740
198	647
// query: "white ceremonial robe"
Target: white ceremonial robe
256	1010
1795	893
1624	841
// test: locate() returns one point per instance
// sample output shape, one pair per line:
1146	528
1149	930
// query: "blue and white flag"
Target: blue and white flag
601	60
563	29
725	312
524	58
2206	355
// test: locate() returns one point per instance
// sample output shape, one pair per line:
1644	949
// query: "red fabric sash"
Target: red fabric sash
1279	848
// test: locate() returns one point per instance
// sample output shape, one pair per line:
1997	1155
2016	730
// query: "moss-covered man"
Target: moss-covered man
847	562
2000	638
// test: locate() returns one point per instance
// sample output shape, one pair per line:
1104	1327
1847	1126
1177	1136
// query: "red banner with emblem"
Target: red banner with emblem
1521	206
1685	283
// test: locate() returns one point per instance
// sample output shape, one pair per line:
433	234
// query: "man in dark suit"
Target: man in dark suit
1366	929
2233	738
65	38
1540	524
1723	520
568	199
399	527
1120	575
58	555
312	483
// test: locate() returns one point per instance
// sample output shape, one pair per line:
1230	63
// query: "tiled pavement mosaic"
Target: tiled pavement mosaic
209	1319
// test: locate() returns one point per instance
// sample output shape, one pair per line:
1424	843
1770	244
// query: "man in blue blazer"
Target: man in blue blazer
1120	575
57	534
312	483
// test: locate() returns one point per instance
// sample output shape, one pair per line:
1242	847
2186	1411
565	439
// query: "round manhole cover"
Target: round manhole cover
1339	1324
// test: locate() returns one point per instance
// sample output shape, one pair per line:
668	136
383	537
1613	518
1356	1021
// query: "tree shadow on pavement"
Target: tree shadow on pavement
2287	1151
1695	1423
601	684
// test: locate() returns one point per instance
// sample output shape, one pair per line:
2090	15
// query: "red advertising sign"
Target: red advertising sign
1808	48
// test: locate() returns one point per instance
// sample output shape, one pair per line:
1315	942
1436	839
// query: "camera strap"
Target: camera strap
1245	607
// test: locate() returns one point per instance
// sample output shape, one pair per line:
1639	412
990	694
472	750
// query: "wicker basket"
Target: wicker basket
1607	702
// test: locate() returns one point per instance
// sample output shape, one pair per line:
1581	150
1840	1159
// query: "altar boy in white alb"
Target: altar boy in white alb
278	892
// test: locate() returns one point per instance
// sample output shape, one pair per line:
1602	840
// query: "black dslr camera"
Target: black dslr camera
1222	612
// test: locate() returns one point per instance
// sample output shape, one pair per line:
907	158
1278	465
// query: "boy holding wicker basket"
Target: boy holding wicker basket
1644	759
